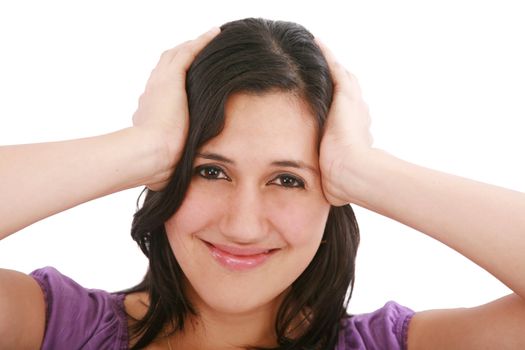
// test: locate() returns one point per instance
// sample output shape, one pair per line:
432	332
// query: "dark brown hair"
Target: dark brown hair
254	56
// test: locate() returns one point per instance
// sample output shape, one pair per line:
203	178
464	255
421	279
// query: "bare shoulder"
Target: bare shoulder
22	311
136	305
496	325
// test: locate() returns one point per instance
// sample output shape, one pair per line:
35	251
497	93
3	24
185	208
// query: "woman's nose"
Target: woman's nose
244	221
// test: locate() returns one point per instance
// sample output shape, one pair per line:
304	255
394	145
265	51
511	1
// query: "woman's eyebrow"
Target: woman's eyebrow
215	156
297	164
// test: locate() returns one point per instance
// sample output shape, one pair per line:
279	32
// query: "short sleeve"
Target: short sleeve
383	329
80	318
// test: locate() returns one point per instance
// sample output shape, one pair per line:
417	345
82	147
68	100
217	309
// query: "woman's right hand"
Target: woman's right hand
163	108
40	180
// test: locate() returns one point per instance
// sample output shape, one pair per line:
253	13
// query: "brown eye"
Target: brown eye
288	181
211	172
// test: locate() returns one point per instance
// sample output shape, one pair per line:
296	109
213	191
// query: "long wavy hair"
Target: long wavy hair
252	55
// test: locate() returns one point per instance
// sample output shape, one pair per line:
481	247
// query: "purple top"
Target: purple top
80	318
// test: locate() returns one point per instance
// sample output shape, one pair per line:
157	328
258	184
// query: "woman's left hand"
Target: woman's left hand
484	223
346	134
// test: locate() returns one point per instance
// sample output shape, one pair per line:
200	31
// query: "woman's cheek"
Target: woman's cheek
198	210
301	219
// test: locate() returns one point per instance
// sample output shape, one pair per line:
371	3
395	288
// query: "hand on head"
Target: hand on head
163	107
346	132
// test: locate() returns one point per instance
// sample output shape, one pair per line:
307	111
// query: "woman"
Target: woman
250	241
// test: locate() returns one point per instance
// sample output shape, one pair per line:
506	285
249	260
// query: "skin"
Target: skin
472	215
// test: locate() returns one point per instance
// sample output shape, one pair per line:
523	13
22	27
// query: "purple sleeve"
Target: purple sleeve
383	329
80	318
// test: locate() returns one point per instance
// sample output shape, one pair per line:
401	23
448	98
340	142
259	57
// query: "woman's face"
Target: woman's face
254	214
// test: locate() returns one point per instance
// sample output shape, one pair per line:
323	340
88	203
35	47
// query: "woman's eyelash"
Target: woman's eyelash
211	172
289	181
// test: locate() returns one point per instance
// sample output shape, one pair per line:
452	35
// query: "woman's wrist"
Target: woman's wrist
157	156
363	172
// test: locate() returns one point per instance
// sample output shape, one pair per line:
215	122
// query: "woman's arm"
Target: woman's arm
40	180
483	222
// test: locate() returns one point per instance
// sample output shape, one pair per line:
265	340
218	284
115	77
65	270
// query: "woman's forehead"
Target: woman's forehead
271	125
285	110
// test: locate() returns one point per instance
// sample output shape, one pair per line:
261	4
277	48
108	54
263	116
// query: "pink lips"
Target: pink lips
239	259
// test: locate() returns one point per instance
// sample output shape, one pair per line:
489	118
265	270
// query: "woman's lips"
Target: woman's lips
239	259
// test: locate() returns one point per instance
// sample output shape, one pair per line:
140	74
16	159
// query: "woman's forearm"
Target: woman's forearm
483	222
39	180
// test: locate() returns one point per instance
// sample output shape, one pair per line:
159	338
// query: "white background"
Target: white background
444	81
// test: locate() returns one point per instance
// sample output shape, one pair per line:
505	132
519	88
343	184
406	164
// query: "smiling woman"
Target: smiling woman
249	179
252	141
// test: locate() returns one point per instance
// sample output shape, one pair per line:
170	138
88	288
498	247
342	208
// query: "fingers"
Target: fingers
179	58
344	81
194	46
186	52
